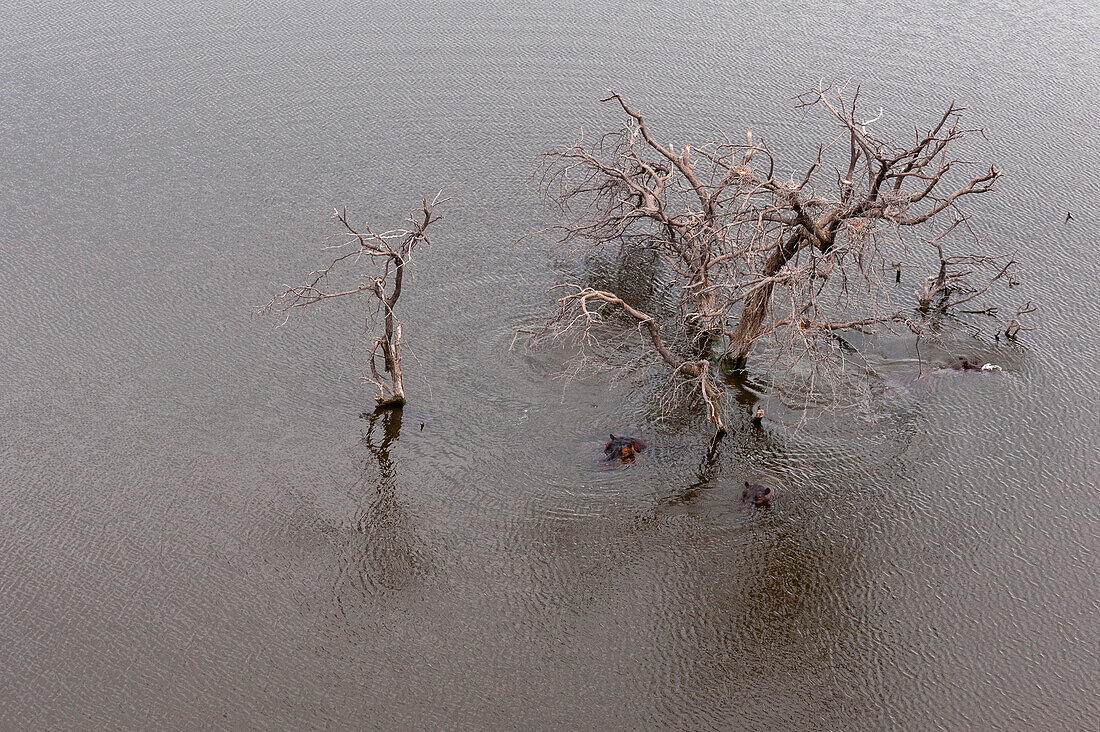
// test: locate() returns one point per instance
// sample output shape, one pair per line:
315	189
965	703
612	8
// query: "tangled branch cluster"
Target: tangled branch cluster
796	259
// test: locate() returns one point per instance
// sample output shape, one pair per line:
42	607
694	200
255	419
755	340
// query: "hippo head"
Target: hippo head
622	448
756	494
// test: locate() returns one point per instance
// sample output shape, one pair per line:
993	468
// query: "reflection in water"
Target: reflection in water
744	437
703	475
713	609
745	390
739	618
382	551
155	575
634	274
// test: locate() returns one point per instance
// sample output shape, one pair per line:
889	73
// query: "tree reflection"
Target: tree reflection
636	274
743	599
382	552
777	602
743	437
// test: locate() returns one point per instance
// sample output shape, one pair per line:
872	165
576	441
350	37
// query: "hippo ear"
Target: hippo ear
746	485
612	436
635	446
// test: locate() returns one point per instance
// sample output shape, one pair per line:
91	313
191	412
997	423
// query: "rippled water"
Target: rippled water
199	530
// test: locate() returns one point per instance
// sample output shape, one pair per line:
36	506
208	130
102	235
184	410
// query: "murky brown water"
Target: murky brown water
197	530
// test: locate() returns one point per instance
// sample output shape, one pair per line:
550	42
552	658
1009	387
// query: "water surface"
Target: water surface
199	530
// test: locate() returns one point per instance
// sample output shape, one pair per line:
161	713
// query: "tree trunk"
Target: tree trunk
706	327
755	310
395	367
391	354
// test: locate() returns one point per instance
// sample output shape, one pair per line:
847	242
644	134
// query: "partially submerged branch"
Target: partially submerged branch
583	310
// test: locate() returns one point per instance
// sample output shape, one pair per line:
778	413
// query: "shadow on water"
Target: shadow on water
634	274
381	551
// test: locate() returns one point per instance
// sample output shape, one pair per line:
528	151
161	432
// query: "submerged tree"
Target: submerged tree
794	259
382	257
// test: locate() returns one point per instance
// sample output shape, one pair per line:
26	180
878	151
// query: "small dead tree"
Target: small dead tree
383	255
796	258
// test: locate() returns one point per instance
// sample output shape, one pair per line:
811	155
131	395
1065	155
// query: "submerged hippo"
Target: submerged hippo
961	364
622	449
756	494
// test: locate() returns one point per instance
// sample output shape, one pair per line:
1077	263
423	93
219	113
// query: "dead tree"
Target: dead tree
383	257
794	256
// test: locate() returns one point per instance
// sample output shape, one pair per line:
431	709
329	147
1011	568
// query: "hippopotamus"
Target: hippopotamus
756	494
961	364
622	449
